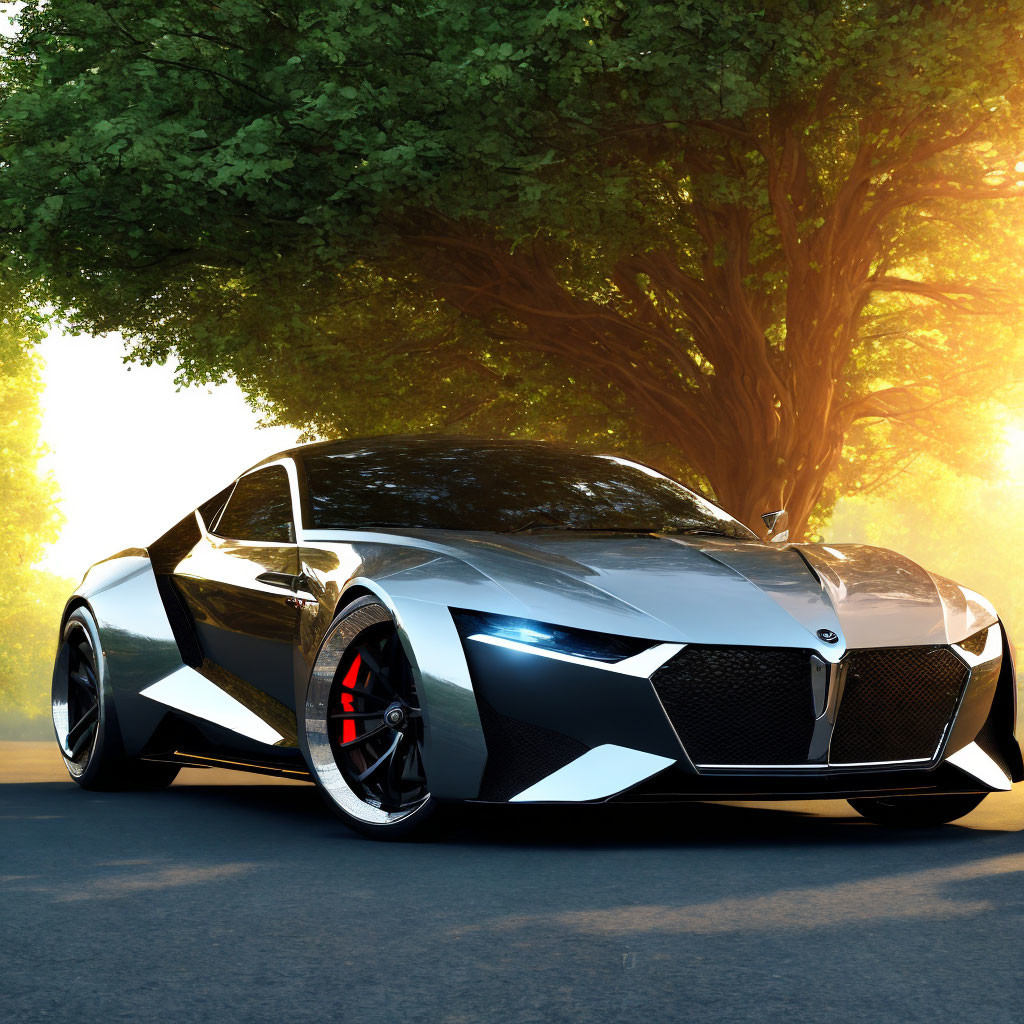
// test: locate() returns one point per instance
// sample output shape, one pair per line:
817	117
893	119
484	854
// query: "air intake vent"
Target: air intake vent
739	705
896	704
180	622
520	753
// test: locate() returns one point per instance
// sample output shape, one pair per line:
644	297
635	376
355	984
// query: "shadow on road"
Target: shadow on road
609	826
252	902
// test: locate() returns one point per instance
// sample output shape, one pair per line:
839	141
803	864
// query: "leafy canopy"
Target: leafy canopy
741	239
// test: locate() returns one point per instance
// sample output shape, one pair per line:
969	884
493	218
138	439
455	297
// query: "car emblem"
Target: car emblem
828	636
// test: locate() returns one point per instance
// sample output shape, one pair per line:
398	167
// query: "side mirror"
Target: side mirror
778	525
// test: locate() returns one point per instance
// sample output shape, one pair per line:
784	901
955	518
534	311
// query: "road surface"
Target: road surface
233	898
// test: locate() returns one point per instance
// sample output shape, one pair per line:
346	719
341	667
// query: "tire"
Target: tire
917	811
84	719
363	728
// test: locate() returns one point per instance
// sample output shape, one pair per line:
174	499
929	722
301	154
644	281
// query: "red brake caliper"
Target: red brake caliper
348	725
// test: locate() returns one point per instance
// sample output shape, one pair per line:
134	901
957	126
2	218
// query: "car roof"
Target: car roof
428	443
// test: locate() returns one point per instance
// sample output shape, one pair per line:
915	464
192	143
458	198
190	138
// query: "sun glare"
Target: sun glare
132	454
1013	460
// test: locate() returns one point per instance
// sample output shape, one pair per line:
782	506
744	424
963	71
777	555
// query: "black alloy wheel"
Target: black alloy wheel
80	726
375	723
84	720
362	727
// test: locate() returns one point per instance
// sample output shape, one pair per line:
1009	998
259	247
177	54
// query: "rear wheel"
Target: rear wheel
364	726
917	811
84	718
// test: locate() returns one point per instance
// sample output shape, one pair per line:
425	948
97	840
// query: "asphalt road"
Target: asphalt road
230	898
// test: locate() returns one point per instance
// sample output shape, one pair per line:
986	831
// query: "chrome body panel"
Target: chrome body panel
598	774
186	690
669	590
976	763
885	600
138	646
145	673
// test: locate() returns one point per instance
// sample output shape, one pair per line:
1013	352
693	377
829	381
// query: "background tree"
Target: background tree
30	600
733	238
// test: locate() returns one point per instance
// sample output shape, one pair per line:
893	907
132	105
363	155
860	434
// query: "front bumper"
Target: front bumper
562	729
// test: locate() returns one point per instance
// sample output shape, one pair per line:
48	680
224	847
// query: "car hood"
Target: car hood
703	589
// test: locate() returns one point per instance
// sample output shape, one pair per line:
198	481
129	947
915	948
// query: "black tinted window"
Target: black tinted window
495	486
260	508
212	506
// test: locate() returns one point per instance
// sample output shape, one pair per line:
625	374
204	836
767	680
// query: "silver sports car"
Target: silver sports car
410	622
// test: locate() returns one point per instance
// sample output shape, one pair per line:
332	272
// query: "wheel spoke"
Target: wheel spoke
380	760
410	770
367	695
366	736
355	714
391	647
393	778
83	679
88	719
369	660
84	660
83	741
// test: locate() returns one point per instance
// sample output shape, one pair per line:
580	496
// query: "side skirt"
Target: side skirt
188	759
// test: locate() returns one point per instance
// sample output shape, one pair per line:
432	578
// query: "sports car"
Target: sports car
414	622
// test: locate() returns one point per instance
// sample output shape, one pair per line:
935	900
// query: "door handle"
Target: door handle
285	580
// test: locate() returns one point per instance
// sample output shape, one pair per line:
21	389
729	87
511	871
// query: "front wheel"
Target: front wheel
917	811
364	727
84	717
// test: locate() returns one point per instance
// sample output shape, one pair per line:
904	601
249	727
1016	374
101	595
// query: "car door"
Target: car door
239	583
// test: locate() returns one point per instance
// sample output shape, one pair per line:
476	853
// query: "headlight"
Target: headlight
983	645
577	643
976	643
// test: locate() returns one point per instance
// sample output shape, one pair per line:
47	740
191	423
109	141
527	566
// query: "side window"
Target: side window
212	506
260	508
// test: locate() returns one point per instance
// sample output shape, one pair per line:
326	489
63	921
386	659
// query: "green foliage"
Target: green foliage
730	237
30	600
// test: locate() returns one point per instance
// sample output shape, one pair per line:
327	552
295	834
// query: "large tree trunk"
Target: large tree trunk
751	389
762	425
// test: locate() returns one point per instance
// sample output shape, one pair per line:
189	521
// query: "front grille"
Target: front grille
520	754
739	705
896	703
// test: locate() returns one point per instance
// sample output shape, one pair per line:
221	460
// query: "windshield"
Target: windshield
497	486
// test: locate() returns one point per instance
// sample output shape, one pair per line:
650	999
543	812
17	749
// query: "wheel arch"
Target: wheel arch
362	586
455	750
75	601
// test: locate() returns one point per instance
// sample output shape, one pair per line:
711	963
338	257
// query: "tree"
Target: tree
30	600
734	238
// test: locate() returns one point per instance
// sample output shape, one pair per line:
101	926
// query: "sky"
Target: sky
131	453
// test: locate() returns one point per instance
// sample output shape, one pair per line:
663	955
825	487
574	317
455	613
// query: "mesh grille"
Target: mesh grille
739	705
896	703
520	753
